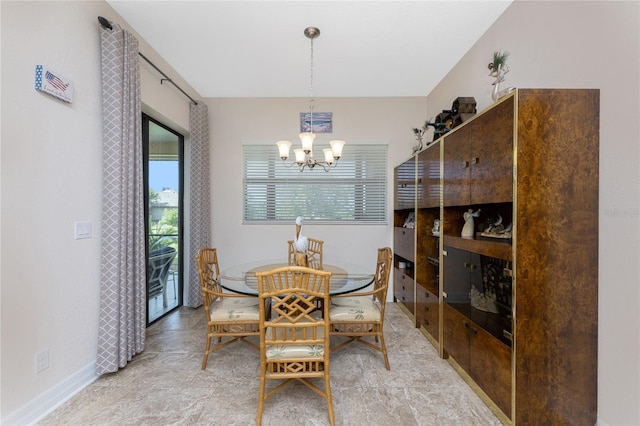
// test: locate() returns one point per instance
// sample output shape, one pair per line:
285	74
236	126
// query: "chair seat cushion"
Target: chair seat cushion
295	351
240	301
352	301
370	312
235	309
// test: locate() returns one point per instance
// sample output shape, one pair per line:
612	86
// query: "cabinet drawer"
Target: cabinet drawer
403	289
404	242
427	308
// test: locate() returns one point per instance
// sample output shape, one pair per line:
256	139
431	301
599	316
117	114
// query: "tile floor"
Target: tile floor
165	385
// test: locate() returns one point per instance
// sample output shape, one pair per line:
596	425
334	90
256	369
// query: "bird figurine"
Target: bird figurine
300	242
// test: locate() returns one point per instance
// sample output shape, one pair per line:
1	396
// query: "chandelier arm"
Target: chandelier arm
311	163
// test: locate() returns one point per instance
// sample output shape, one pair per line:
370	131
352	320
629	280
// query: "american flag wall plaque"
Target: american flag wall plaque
54	84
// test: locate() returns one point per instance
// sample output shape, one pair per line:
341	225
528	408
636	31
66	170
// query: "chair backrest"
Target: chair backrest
381	277
208	270
159	263
314	253
293	292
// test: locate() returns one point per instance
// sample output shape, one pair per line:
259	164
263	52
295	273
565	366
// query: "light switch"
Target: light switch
82	230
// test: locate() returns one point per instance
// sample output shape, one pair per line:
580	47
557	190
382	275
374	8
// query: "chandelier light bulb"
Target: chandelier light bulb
283	148
307	138
328	155
336	148
301	156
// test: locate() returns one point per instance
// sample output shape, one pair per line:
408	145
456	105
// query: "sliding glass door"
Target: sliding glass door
163	179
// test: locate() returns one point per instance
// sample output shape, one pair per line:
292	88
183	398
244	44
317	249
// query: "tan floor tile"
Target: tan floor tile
166	385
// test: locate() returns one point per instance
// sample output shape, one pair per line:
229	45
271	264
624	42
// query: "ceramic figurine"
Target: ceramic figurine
300	242
498	230
436	228
468	230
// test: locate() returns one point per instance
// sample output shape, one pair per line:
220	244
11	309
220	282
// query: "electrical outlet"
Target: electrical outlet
42	361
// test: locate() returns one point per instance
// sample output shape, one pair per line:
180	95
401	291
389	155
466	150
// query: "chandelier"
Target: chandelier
304	155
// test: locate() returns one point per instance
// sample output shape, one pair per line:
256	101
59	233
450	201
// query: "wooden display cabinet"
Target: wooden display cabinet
404	237
532	159
428	244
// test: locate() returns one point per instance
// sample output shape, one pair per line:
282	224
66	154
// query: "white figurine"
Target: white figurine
468	230
436	228
300	242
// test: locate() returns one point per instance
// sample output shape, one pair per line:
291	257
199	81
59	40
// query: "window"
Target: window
355	191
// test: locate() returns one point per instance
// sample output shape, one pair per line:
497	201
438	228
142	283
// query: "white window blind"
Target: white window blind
355	191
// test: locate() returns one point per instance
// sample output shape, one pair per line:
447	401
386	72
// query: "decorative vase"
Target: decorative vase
496	90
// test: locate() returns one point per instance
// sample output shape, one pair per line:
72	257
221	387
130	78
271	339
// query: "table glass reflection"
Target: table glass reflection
345	277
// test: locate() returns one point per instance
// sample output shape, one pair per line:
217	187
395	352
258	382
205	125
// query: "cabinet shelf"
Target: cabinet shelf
499	249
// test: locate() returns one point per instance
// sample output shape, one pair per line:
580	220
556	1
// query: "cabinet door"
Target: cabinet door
490	367
456	168
404	242
405	185
492	156
456	279
456	336
429	177
427	311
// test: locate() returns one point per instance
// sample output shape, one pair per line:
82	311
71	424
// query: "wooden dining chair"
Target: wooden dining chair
314	253
228	314
294	342
362	315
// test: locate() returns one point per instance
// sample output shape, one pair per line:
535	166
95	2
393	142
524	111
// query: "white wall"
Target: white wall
584	45
238	121
51	162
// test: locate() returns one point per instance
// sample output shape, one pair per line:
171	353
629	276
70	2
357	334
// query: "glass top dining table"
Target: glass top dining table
345	277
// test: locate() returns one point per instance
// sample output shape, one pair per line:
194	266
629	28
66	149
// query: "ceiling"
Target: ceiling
258	48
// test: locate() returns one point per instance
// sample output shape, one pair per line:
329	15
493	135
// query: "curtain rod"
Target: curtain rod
106	24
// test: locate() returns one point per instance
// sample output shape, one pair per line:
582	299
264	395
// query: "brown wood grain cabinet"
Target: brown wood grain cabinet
405	186
403	289
556	262
427	311
417	287
478	160
428	177
404	236
404	242
428	244
528	345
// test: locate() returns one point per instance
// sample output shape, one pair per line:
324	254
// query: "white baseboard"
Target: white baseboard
36	409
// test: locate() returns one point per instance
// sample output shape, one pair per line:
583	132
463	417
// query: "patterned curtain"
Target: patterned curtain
123	276
199	204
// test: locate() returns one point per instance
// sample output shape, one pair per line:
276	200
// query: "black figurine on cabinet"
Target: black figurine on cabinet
462	109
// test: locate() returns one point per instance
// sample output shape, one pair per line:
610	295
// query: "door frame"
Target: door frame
146	119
